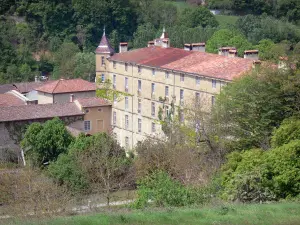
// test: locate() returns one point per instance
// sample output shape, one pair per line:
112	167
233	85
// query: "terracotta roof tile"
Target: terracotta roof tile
8	99
92	102
28	86
6	87
32	112
195	62
67	86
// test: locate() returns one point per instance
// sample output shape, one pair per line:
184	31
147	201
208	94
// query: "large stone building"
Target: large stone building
158	72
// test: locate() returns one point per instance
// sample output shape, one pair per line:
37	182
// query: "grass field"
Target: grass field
266	214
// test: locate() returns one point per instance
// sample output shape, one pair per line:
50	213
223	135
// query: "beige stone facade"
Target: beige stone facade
135	117
60	98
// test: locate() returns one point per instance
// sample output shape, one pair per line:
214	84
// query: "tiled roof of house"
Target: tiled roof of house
67	86
6	87
92	102
104	46
9	99
33	112
29	86
195	62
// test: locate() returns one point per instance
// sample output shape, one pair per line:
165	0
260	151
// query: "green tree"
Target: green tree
200	16
143	34
44	142
84	65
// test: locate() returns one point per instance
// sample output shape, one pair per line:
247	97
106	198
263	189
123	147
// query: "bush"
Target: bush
160	189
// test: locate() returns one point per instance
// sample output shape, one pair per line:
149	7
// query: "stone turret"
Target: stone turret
104	47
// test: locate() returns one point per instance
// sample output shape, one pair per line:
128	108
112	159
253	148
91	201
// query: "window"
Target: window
114	118
115	98
102	61
126	122
126	66
153	88
214	83
87	111
114	80
87	125
153	72
167	75
181	77
212	100
114	65
152	108
153	128
181	115
167	110
126	142
126	103
139	105
197	98
197	80
139	85
181	94
139	125
102	78
139	69
167	91
126	84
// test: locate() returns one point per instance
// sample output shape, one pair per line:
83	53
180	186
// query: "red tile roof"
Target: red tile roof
67	86
28	86
6	87
92	102
195	62
9	99
104	46
32	112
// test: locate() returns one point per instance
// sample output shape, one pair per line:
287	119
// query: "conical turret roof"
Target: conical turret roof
104	47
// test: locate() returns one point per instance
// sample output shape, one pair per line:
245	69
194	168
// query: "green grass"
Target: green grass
266	214
225	20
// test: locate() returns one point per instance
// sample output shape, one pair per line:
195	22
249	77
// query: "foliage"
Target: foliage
95	164
44	142
198	16
266	97
162	191
257	175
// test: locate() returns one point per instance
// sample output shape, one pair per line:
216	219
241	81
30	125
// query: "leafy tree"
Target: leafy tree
143	34
200	16
44	142
85	65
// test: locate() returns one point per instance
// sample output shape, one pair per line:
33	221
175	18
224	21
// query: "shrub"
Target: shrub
160	189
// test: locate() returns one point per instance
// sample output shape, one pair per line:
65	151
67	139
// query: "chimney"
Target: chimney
150	43
166	43
200	47
36	78
232	53
225	50
71	98
251	54
187	47
123	47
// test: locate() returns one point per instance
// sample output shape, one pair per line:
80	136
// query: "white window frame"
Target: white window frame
139	85
126	103
153	127
139	105
181	77
85	122
139	125
181	94
102	60
126	142
102	77
126	67
214	83
114	79
126	84
126	122
153	72
152	108
167	91
152	88
114	64
114	118
198	80
167	75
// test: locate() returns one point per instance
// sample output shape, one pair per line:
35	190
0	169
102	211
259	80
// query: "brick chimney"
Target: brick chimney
232	53
71	98
225	50
251	54
166	43
187	47
150	43
200	47
123	47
